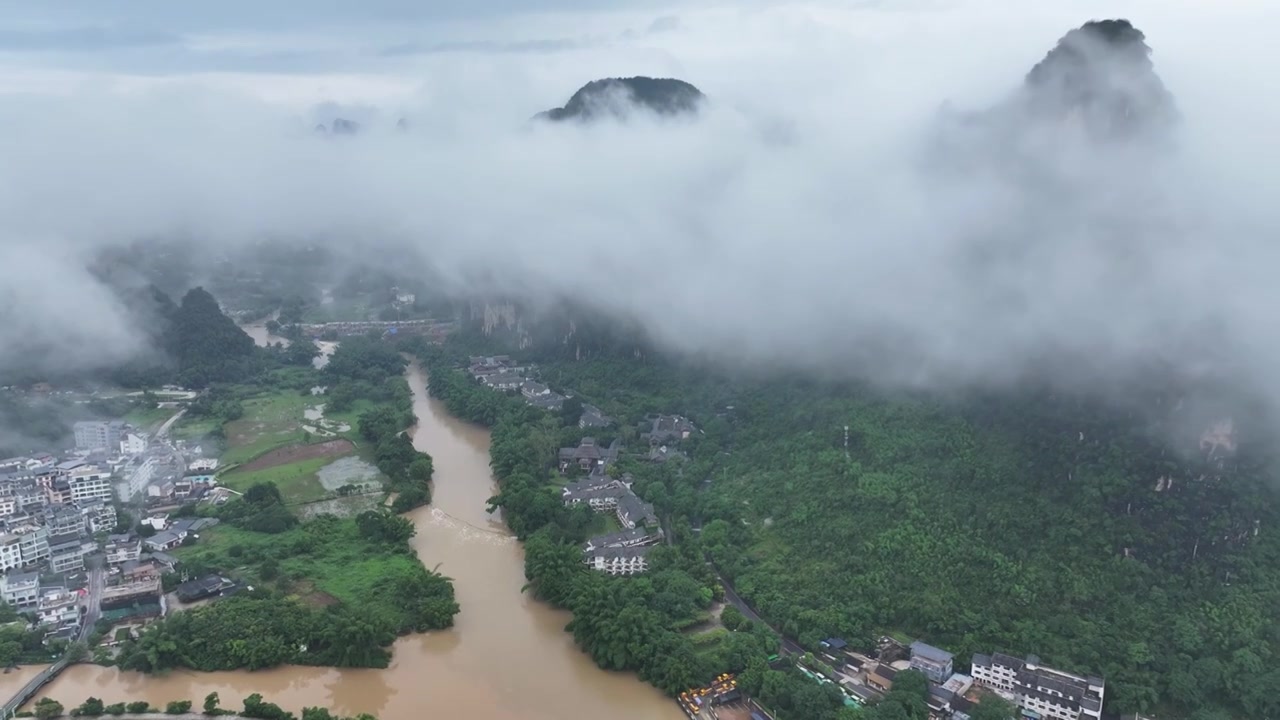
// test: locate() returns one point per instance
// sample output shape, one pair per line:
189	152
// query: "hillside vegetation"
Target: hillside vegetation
1020	522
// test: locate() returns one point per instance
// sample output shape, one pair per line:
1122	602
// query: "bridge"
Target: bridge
425	326
28	692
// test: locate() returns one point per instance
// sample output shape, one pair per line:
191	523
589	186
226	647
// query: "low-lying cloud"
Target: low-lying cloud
822	213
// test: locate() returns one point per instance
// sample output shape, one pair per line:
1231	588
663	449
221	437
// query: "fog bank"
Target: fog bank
821	213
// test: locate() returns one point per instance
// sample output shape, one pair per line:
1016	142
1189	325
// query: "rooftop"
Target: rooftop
929	652
21	578
616	539
620	553
636	509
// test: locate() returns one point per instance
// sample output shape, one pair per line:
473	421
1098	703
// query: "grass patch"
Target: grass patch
605	523
270	420
351	417
193	429
317	561
296	481
706	645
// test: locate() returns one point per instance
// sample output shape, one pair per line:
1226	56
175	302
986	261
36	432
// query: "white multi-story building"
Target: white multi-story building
67	555
30	497
10	552
64	520
139	474
99	516
618	560
8	506
56	606
90	482
123	548
934	662
1031	686
133	444
33	542
98	434
19	589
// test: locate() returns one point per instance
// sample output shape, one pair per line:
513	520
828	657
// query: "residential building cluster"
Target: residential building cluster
500	372
58	513
618	553
1032	686
1040	692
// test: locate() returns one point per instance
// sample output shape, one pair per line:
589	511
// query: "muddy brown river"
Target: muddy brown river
507	657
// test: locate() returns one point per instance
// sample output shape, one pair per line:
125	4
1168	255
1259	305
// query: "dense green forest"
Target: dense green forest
624	623
367	368
1021	522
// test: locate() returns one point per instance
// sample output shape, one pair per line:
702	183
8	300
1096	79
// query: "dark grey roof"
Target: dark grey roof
64	547
201	586
941	693
618	539
161	538
929	652
591	482
1008	661
620	553
885	671
191	524
1070	703
593	416
64	539
636	509
980	660
596	492
19	578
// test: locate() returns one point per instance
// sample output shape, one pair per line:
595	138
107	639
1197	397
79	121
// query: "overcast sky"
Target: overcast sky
801	218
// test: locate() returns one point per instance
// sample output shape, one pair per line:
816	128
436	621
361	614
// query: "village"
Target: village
74	567
863	676
74	561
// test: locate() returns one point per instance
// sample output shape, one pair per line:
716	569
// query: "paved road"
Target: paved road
97	582
731	596
164	429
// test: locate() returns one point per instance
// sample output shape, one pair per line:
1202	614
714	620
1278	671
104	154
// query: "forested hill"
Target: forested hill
191	343
209	347
1019	521
616	96
1102	74
560	331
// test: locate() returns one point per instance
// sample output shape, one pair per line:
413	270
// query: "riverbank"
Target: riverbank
506	658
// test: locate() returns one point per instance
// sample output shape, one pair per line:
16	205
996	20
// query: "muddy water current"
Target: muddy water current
507	657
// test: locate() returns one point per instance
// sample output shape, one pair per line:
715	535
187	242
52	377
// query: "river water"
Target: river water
263	338
507	658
